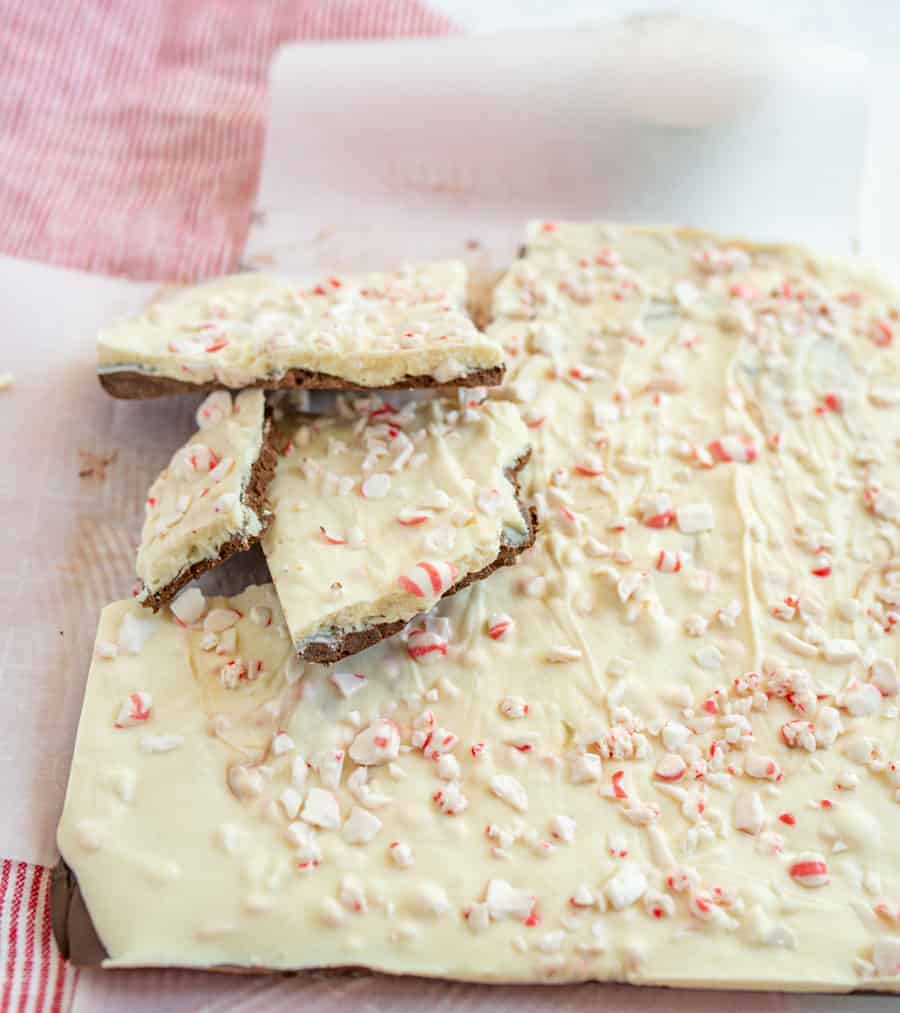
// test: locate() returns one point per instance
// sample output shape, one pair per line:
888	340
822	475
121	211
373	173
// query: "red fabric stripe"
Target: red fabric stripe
61	974
30	949
49	955
4	888
12	936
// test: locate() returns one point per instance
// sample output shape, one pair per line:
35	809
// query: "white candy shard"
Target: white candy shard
348	683
513	707
433	899
360	827
505	901
135	631
321	809
863	699
401	854
507	788
762	767
563	828
282	743
378	743
352	895
290	800
627	886
215	409
749	815
328	764
585	767
450	799
883	673
189	606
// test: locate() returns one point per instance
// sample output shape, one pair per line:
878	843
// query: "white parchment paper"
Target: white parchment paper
376	154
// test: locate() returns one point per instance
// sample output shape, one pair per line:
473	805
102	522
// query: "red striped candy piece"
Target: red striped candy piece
429	578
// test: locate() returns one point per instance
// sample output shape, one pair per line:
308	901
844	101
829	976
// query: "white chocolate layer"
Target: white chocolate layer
662	749
379	514
197	503
370	330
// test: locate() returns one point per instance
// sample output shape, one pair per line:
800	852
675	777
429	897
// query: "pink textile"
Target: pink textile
34	978
131	133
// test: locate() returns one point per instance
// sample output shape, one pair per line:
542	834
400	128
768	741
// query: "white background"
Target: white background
871	27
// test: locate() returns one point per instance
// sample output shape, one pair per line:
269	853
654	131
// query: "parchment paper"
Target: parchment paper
380	153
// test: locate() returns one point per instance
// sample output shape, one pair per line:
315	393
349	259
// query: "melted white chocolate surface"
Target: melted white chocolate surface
380	513
197	503
369	330
661	749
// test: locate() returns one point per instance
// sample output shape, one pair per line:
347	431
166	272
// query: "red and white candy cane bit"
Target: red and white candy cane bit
216	407
618	789
668	561
135	710
739	449
329	538
810	870
799	734
881	333
439	742
607	258
376	744
830	402
217	344
671	768
589	465
740	290
424	645
885	909
410	518
201	458
581	372
429	578
661	520
763	768
499	625
348	683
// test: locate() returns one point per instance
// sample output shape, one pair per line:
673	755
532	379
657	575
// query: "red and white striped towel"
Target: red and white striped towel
33	976
131	135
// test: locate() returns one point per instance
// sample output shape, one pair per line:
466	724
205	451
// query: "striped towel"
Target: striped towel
131	136
131	133
34	976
